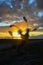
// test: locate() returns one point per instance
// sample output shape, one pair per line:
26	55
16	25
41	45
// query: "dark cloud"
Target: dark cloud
40	4
4	9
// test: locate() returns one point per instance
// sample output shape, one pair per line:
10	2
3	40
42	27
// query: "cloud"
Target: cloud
40	4
7	2
15	11
32	3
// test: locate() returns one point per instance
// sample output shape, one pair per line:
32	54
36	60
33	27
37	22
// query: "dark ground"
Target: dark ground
17	52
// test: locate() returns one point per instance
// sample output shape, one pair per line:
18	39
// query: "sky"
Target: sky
8	2
31	3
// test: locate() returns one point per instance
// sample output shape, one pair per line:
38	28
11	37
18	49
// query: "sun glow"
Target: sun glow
16	35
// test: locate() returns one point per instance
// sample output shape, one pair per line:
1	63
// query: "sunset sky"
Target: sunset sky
12	12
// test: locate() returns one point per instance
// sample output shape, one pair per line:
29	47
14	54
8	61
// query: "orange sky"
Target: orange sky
21	25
